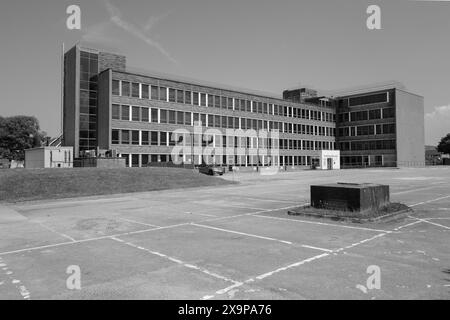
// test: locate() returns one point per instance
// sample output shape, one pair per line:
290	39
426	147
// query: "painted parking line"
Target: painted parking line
300	263
240	233
127	233
429	201
407	225
318	223
176	260
265	275
138	222
56	232
202	214
65	203
22	290
269	200
413	190
429	222
249	214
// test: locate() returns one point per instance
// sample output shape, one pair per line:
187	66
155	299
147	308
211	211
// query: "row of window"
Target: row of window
355	161
144	91
162	116
384	97
137	160
161	138
290	144
165	139
375	114
368	145
387	128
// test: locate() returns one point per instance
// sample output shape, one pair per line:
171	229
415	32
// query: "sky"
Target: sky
256	44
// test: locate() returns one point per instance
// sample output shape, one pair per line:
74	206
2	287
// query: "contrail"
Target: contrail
116	18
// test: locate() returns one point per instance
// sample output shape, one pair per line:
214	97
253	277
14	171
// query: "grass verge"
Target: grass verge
23	185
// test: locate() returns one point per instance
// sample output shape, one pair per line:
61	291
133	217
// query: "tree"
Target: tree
444	145
17	134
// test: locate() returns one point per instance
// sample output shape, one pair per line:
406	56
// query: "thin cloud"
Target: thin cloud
438	112
116	18
99	33
152	21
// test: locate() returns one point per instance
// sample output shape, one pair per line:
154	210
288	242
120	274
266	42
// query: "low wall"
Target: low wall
104	163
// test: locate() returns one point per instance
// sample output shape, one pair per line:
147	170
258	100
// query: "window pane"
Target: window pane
163	138
187	97
154	115
203	119
135	160
163	116
115	136
145	138
172	116
187	119
180	117
144	115
116	112
230	103
162	93
115	87
155	95
154	138
125	137
172	95
135	90
125	89
180	96
135	137
135	114
224	102
203	99
195	98
210	120
210	101
217	101
126	113
145	91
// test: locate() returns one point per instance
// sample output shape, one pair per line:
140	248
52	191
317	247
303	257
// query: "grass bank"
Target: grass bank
22	185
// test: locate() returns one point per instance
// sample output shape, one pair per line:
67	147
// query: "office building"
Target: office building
137	114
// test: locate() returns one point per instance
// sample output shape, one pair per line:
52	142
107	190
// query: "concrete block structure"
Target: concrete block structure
140	115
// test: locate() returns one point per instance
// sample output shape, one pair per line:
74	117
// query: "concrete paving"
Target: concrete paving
230	242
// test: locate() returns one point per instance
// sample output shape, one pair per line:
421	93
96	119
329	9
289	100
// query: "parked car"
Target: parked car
211	170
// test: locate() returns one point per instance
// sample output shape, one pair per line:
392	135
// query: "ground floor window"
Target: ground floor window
135	160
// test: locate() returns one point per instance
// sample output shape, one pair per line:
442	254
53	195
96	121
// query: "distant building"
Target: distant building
299	95
49	157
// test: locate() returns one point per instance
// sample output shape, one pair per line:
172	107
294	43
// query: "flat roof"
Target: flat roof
48	148
215	86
